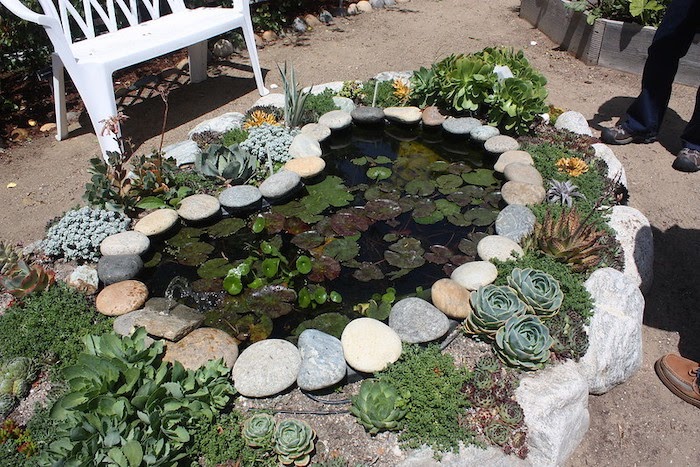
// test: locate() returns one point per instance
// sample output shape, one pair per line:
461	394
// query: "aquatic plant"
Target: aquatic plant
379	406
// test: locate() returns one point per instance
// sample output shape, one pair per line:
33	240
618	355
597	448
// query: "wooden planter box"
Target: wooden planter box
612	44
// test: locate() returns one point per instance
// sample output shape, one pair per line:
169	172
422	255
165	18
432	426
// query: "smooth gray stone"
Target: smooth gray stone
392	75
483	133
299	25
184	152
515	221
305	146
322	360
85	279
117	268
343	103
325	17
129	242
377	4
500	144
460	126
498	247
266	368
336	120
240	197
522	172
280	184
172	325
416	320
318	132
222	48
368	115
221	124
199	207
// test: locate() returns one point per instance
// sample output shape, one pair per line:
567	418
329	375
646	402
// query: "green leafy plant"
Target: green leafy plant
230	163
294	97
379	94
492	306
317	105
539	290
258	430
469	84
9	256
294	442
235	136
16	377
645	12
17	445
379	406
523	342
23	280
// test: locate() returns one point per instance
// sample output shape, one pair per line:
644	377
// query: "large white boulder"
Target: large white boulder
635	237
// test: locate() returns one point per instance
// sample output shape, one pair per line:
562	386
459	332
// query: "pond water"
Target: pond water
394	211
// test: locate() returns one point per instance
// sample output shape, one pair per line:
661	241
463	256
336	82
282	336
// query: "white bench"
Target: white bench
128	40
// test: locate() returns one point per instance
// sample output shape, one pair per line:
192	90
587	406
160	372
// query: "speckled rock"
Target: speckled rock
344	103
367	115
274	99
353	10
221	124
634	233
184	152
280	184
200	207
615	168
370	345
173	324
84	279
500	144
305	146
121	297
451	298
522	172
515	221
498	247
403	115
322	360
336	120
509	157
202	345
157	222
483	133
522	193
240	197
377	4
305	167
318	132
117	268
130	242
461	126
416	321
574	122
475	274
363	6
266	368
432	117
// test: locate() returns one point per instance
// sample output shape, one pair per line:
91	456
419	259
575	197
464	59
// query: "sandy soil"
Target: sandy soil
638	423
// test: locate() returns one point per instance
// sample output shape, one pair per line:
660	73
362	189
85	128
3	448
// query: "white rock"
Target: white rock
615	168
84	278
130	242
498	247
199	207
334	86
574	122
404	76
370	345
475	274
274	99
405	115
615	332
635	236
184	152
468	456
305	146
336	120
526	194
220	124
318	132
344	103
157	222
522	172
555	403
266	368
364	6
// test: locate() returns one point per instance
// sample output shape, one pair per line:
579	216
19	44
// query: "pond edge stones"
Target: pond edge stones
370	345
157	222
417	321
198	208
266	368
322	360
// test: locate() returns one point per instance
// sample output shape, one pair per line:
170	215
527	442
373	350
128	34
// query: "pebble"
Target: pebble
510	157
117	268
184	152
305	167
312	21
121	298
522	193
84	279
336	120
500	144
403	115
574	122
515	221
269	36
299	25
305	146
451	298
377	4
352	9
461	126
157	222
280	184
322	360
475	274
483	133
202	345
366	116
220	124
240	197
364	6
344	103
370	345
432	117
498	247
318	132
222	48
198	207
416	320
266	368
522	172
325	17
46	127
615	168
173	324
130	242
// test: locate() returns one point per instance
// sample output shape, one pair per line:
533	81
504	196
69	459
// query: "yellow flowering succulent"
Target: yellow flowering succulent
573	166
258	118
401	90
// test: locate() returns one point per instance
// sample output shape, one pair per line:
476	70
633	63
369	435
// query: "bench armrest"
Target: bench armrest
19	9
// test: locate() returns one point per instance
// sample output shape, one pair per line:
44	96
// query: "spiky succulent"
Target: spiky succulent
482	379
23	280
7	404
231	163
523	342
573	166
497	433
563	192
539	290
483	398
510	412
492	305
489	363
8	257
379	406
402	91
294	442
258	430
257	118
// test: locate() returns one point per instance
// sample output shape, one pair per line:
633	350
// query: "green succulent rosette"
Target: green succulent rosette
379	406
294	442
539	290
492	305
523	342
258	430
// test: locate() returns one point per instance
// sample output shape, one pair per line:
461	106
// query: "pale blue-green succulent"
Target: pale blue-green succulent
492	305
294	442
379	406
539	290
523	342
258	430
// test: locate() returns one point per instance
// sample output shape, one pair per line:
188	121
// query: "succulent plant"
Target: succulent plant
483	398
8	257
489	363
16	377
510	412
227	162
523	342
539	290
23	280
294	442
402	91
573	166
258	430
269	144
7	404
482	379
563	192
257	118
492	305
379	406
497	433
294	98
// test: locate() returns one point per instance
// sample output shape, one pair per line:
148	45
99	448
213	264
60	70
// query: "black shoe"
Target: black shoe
619	135
687	160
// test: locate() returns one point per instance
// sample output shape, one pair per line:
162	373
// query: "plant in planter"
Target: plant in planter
523	342
269	144
492	306
645	12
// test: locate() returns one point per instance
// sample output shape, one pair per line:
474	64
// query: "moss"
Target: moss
385	94
317	105
235	136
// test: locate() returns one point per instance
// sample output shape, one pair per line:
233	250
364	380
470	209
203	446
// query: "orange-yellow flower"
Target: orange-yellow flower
257	118
573	166
401	90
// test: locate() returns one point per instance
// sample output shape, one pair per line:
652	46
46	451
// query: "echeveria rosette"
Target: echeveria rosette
523	342
379	406
492	305
258	430
540	291
294	442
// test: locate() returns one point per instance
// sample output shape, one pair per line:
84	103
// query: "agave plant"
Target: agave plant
523	342
492	305
8	258
539	290
229	162
258	430
379	406
294	98
563	192
294	442
23	280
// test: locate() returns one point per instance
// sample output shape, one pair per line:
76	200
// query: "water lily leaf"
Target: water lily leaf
368	272
439	166
446	207
349	222
374	309
270	267
433	218
466	195
459	220
324	267
320	295
272	300
296	226
480	177
194	254
342	249
226	227
304	298
378	173
407	253
382	209
382	160
398	274
207	285
274	222
359	160
330	323
332	190
185	236
217	267
420	187
391	237
458	260
253	327
438	254
449	183
154	261
303	264
423	208
407	204
481	217
308	240
468	247
458	168
493	199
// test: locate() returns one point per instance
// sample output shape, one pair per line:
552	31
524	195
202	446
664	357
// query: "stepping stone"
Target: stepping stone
336	120
475	274
130	242
172	325
417	321
280	184
200	207
500	144
510	157
526	194
483	133
365	116
266	368
322	360
522	172
240	198
403	115
157	222
117	268
460	126
121	298
370	345
515	221
202	345
432	117
343	103
305	146
318	132
305	167
451	298
498	247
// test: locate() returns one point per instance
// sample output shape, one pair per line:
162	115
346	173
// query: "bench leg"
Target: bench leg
253	54
59	97
97	91
198	61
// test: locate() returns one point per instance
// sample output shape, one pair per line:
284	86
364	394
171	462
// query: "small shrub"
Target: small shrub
235	136
385	94
317	105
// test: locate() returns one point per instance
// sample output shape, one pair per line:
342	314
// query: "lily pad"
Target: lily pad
439	254
185	236
448	183
272	300
324	268
423	208
194	254
433	218
481	217
407	253
468	247
382	160
459	220
251	327
359	160
458	168
332	190
446	207
374	309
420	187
225	227
154	260
342	249
274	222
480	177
308	240
349	222
378	173
214	268
382	209
368	272
439	166
330	323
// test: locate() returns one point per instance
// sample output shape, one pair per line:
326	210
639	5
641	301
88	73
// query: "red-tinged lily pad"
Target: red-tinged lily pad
308	240
207	285
407	253
225	227
330	323
424	208
420	187
342	249
252	327
349	222
368	272
382	209
382	191
295	226
458	260
438	254
272	300
274	222
458	168
324	268
217	267
407	204
480	177
194	254
468	247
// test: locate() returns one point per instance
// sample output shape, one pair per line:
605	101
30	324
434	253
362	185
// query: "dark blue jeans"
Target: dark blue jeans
671	42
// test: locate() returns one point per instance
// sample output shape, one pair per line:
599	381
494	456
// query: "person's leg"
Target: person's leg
688	160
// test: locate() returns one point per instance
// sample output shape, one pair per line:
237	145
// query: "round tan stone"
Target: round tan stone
121	298
521	172
510	157
451	298
370	345
157	222
306	167
202	345
526	194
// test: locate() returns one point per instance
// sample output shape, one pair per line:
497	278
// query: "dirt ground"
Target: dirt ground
638	423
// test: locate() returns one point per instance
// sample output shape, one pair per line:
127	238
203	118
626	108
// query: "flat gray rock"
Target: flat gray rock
172	325
367	115
343	103
318	132
240	197
522	172
280	184
526	194
202	345
392	75
130	242
461	126
416	321
498	247
199	207
322	360
515	221
305	146
117	268
183	153
574	122
483	133
475	274
221	124
500	144
157	222
336	120
266	368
